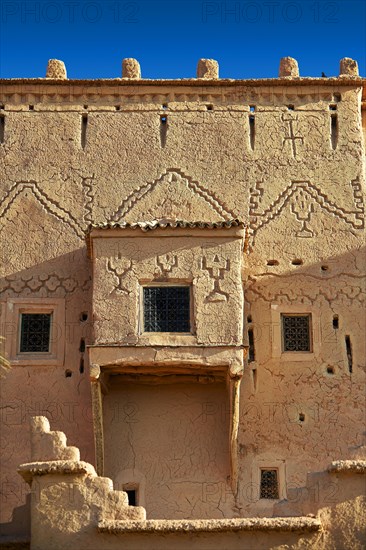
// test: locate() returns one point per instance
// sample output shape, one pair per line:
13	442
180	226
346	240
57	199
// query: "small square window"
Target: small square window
35	332
166	308
269	484
296	333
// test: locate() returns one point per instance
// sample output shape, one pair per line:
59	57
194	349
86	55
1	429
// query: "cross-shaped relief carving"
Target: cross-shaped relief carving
119	267
216	269
292	135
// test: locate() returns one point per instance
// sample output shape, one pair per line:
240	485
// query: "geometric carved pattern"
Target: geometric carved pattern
50	205
216	269
302	196
172	178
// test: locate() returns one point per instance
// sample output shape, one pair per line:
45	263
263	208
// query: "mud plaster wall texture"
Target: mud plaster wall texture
302	194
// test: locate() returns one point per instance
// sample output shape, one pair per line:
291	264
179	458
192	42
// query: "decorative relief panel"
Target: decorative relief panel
216	268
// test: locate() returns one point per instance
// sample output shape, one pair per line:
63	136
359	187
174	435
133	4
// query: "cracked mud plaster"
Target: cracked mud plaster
307	206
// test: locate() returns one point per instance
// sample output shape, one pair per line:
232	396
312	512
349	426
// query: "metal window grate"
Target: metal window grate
269	484
35	332
296	332
166	309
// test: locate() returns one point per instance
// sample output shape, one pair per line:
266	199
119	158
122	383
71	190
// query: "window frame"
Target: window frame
50	339
15	307
277	310
309	317
160	284
269	469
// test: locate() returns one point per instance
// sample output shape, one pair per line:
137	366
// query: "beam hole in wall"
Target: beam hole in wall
272	263
68	373
31	107
291	107
335	322
297	261
81	366
2	128
324	268
2	107
349	352
83	316
82	345
249	319
164	106
252	108
330	370
209	107
85	106
117	107
301	417
332	107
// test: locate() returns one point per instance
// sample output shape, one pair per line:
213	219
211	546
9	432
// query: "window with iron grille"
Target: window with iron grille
296	332
166	308
269	484
35	331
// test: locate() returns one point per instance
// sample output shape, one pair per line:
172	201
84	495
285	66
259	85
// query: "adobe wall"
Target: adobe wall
300	191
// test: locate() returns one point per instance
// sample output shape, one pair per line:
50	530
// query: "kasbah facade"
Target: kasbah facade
183	298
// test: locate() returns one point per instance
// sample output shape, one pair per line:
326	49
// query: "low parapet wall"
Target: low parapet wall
72	507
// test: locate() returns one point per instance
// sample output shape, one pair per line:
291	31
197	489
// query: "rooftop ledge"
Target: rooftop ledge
158	526
199	82
348	467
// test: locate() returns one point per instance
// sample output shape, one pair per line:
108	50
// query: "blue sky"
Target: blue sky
248	38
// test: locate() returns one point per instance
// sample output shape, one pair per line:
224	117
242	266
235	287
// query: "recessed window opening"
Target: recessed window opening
117	107
330	370
334	130
83	317
2	128
31	107
272	263
164	106
252	131
297	261
166	308
349	353
84	126
252	108
132	496
35	332
2	106
163	119
332	107
81	365
85	106
269	484
249	319
163	129
335	322
82	345
296	333
291	107
251	356
209	107
301	417
68	373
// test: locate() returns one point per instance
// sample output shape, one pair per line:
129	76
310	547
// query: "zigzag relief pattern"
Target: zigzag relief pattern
50	205
87	184
302	196
172	176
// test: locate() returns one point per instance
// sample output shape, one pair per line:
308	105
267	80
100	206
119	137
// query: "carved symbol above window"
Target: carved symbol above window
166	308
216	269
119	267
296	333
35	331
